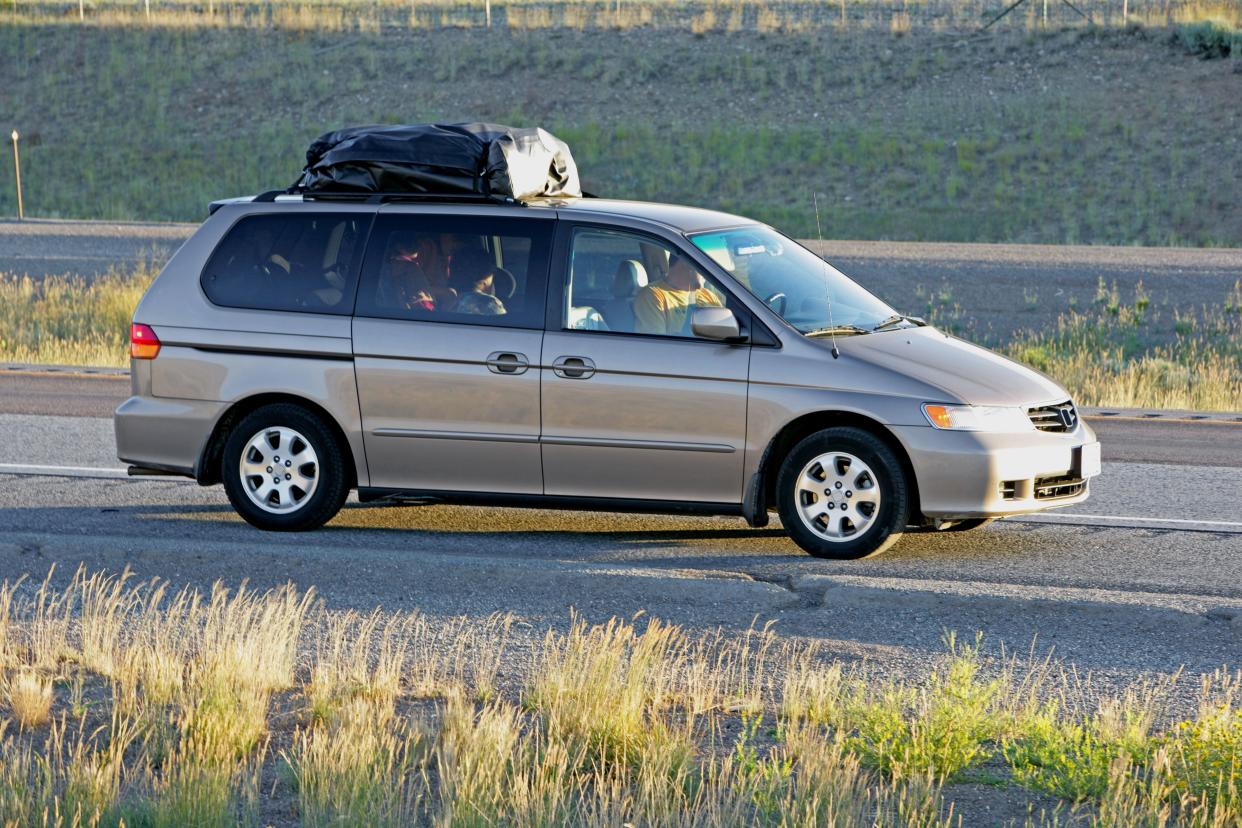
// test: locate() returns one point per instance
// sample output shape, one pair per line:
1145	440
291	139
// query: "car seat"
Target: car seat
630	277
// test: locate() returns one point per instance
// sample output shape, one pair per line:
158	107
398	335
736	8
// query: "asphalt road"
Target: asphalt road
983	291
1146	576
45	247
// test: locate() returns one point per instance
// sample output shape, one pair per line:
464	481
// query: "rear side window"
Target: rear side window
304	262
469	270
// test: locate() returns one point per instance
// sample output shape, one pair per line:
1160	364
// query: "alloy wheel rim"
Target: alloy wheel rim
279	470
838	497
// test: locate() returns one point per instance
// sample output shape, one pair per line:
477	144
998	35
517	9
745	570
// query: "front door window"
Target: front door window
631	283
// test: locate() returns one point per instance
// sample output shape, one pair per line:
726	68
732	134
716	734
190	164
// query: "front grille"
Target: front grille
1009	489
1061	417
1051	488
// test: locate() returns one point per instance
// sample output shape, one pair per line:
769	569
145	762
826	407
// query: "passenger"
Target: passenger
471	275
403	284
664	307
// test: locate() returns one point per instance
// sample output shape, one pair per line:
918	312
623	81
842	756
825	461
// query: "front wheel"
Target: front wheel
283	469
842	494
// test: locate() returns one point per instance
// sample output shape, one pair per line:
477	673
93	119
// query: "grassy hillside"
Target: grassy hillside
1110	135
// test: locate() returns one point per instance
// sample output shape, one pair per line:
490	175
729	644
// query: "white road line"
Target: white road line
1051	518
62	471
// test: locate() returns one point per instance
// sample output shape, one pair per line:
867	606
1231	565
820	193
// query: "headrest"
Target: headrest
630	276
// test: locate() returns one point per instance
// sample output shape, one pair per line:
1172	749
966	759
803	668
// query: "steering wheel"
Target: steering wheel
771	301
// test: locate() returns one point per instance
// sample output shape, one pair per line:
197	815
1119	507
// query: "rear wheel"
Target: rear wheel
842	494
283	469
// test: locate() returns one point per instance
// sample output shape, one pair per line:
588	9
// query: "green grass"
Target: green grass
152	122
399	751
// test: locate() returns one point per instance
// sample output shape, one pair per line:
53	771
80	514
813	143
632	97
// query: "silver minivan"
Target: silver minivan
579	353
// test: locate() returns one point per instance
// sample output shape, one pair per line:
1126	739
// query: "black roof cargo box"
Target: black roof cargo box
489	159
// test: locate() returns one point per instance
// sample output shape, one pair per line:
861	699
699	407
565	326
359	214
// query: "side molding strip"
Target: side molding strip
659	445
597	442
481	436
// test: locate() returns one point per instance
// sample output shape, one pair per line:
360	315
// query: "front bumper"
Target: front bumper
962	474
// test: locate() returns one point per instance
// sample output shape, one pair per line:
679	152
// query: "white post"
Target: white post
81	10
487	5
17	170
1045	14
148	5
1125	12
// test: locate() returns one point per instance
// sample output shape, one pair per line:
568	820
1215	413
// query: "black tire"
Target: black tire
886	522
332	478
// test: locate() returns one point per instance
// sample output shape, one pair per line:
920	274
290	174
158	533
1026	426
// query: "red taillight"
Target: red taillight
143	343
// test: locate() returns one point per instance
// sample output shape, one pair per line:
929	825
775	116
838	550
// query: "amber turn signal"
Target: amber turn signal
143	343
939	415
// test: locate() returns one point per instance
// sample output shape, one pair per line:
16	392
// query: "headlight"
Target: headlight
977	417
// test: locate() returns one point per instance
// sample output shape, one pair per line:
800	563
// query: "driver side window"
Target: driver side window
631	283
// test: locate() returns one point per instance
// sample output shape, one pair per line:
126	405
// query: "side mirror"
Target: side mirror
715	323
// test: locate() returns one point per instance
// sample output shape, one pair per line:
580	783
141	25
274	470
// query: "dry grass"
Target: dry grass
1135	354
29	697
69	320
177	701
699	17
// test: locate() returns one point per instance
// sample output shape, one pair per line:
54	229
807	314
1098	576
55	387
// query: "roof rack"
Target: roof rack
383	198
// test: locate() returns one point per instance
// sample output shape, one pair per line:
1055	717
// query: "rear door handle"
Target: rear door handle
507	362
573	367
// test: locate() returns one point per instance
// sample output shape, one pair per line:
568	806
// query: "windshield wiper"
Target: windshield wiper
898	317
837	330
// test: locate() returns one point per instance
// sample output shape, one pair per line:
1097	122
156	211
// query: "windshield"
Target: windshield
792	280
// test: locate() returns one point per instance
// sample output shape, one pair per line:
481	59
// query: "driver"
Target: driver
664	307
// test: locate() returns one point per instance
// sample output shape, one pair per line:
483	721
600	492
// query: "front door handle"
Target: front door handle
573	367
507	362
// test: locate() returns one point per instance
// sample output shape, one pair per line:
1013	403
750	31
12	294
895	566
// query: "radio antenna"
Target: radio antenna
827	287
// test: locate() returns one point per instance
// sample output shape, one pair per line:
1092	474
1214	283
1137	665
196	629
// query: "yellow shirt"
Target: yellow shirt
661	309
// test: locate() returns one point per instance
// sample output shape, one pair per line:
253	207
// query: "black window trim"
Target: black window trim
757	334
479	321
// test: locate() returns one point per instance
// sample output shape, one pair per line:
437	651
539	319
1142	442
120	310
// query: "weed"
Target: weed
1071	757
1210	38
941	728
29	697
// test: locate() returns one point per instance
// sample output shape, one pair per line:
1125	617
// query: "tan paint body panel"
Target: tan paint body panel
660	418
445	420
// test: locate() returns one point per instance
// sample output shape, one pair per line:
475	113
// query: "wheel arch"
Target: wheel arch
796	430
207	468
